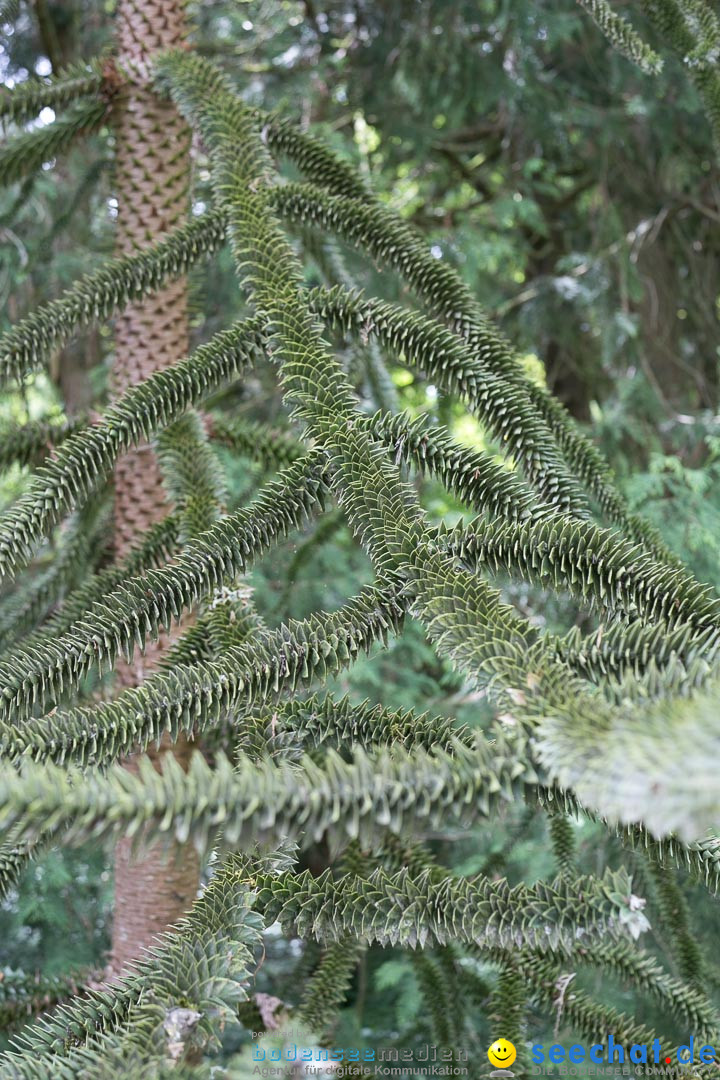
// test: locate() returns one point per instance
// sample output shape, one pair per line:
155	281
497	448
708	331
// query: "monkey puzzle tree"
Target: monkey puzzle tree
618	724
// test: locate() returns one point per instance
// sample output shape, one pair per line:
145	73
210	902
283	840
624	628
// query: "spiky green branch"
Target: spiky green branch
25	153
365	797
137	609
188	700
424	909
463	615
86	458
30	444
205	966
81	545
25	100
27	346
622	36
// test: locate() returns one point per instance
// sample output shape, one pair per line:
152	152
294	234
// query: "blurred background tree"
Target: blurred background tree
580	200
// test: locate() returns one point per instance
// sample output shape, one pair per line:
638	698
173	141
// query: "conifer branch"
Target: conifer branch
327	987
383	512
425	909
622	36
138	608
463	615
403	773
152	549
470	474
676	925
640	661
387	790
552	986
86	458
191	700
384	237
229	620
273	449
24	995
326	254
191	475
79	548
704	23
642	779
25	100
507	1011
9	11
592	564
428	266
679	24
311	156
562	838
27	346
379	510
205	962
30	444
25	153
701	858
15	856
682	999
327	721
436	994
446	359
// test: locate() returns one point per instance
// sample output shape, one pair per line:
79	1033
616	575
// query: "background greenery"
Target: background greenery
580	200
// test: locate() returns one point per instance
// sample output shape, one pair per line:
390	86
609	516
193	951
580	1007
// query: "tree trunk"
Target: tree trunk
153	165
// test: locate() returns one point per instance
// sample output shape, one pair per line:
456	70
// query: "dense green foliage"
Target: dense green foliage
462	773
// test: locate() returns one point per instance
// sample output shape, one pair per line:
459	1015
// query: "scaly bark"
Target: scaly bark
153	174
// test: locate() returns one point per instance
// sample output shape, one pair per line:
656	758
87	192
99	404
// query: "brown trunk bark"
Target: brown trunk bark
153	889
153	144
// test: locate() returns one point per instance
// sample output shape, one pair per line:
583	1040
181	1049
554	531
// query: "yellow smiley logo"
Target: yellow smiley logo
502	1053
